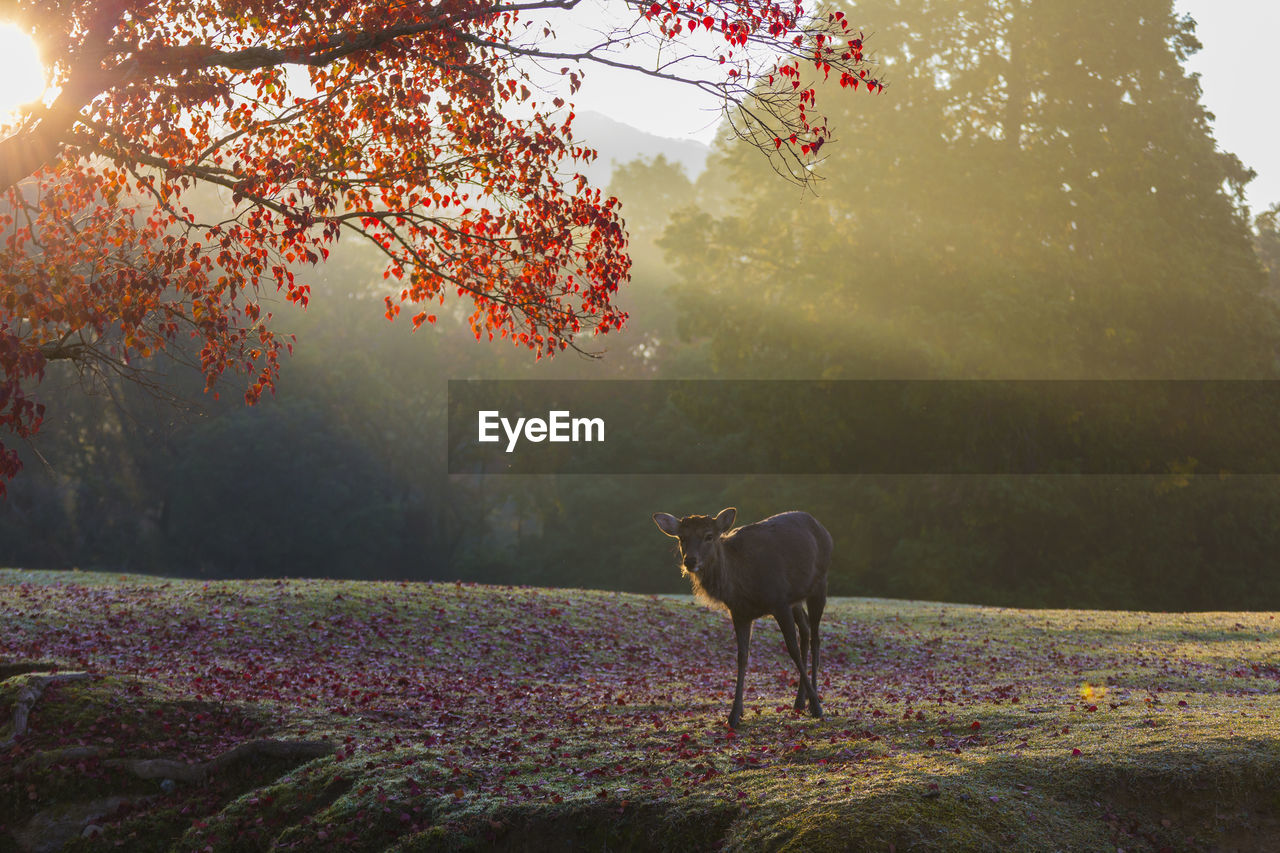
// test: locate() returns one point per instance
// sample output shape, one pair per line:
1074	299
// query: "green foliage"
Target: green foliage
1267	243
243	478
1037	195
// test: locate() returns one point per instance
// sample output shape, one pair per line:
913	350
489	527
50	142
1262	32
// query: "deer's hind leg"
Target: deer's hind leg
802	623
787	622
816	604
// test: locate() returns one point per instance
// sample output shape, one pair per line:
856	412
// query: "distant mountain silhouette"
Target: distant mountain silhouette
620	143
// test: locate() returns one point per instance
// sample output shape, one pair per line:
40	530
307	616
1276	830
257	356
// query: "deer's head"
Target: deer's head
698	535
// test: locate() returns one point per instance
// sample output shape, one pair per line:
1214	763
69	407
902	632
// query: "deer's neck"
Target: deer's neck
714	582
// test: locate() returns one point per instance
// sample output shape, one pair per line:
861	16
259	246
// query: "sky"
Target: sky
1235	70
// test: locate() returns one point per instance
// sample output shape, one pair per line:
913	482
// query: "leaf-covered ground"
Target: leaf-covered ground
527	719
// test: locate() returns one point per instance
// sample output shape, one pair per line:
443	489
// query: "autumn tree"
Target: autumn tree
439	132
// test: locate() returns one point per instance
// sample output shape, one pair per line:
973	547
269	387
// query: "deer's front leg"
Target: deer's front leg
741	627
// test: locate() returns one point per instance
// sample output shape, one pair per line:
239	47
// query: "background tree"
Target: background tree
393	121
1041	197
1267	243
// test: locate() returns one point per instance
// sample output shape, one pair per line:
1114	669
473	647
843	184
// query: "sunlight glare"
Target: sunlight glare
22	77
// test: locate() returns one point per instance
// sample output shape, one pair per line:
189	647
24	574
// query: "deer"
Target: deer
776	566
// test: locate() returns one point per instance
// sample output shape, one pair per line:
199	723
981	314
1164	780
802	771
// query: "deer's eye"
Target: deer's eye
708	537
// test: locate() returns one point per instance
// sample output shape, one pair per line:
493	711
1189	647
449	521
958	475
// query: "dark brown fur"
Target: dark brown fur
769	567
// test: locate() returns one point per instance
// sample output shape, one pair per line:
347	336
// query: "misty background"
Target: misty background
1038	195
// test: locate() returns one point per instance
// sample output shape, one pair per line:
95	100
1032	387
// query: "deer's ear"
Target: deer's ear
667	523
725	519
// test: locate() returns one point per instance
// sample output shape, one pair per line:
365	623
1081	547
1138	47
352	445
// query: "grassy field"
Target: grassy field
451	716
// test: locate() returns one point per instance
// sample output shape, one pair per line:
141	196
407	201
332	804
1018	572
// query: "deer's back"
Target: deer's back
778	560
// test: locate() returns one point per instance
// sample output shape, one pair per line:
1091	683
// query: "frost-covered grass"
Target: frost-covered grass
520	718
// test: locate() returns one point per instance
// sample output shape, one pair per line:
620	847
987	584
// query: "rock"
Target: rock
49	830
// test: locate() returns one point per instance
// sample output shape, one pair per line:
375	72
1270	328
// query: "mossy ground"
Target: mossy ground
470	717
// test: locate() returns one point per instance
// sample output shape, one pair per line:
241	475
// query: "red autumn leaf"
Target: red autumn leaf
109	258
